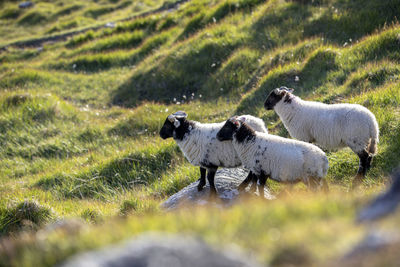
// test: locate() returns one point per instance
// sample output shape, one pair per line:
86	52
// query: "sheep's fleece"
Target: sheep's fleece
283	159
201	147
330	126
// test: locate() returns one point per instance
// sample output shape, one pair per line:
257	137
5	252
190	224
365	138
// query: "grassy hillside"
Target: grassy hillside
79	118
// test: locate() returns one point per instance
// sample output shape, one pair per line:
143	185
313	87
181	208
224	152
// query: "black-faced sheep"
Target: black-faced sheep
281	159
200	146
330	126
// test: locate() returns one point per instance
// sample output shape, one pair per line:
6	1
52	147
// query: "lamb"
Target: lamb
200	146
329	126
281	159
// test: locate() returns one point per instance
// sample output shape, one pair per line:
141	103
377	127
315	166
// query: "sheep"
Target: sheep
281	159
330	126
200	146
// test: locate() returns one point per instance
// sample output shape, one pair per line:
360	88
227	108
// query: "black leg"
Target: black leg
369	161
210	178
364	162
246	181
362	169
202	180
263	179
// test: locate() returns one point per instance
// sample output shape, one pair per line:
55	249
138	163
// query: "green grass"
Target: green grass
79	118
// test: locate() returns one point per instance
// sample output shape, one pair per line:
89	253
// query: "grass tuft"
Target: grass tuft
26	215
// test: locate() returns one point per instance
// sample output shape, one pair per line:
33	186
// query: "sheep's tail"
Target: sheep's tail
374	135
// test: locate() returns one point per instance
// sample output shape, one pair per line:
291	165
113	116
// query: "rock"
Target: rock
226	182
372	250
69	226
26	4
385	204
161	251
110	25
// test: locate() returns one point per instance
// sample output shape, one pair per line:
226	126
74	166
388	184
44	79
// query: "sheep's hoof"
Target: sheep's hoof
325	186
200	187
213	195
242	187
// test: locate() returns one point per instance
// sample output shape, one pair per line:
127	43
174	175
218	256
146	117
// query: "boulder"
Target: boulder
161	250
384	204
226	182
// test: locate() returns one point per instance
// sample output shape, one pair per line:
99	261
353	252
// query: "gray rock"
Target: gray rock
69	226
383	205
372	243
26	4
155	250
226	182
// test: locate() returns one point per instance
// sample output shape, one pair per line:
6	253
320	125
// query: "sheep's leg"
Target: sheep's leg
253	186
364	162
202	180
263	179
312	183
246	181
325	186
362	169
369	161
210	178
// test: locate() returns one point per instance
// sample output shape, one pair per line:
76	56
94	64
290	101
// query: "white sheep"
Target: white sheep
330	126
200	146
281	159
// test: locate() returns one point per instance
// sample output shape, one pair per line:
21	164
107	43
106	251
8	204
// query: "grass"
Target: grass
79	118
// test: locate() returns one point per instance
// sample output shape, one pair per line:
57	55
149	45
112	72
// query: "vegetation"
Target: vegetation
79	118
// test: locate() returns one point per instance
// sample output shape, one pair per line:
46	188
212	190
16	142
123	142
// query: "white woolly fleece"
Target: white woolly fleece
330	126
284	160
201	146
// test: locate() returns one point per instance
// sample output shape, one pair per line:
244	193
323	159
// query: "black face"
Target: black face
227	131
167	130
273	98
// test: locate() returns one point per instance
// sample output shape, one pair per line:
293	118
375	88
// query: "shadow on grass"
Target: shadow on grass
346	21
313	74
139	168
174	77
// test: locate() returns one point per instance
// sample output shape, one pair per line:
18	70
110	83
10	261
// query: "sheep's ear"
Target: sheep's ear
290	90
242	119
180	114
177	123
171	118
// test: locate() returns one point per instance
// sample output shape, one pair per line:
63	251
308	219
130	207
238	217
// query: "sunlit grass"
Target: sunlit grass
79	119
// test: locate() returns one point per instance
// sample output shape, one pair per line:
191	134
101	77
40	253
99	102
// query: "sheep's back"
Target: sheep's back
280	157
202	148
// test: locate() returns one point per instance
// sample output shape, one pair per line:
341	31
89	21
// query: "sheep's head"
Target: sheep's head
172	123
277	95
230	127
